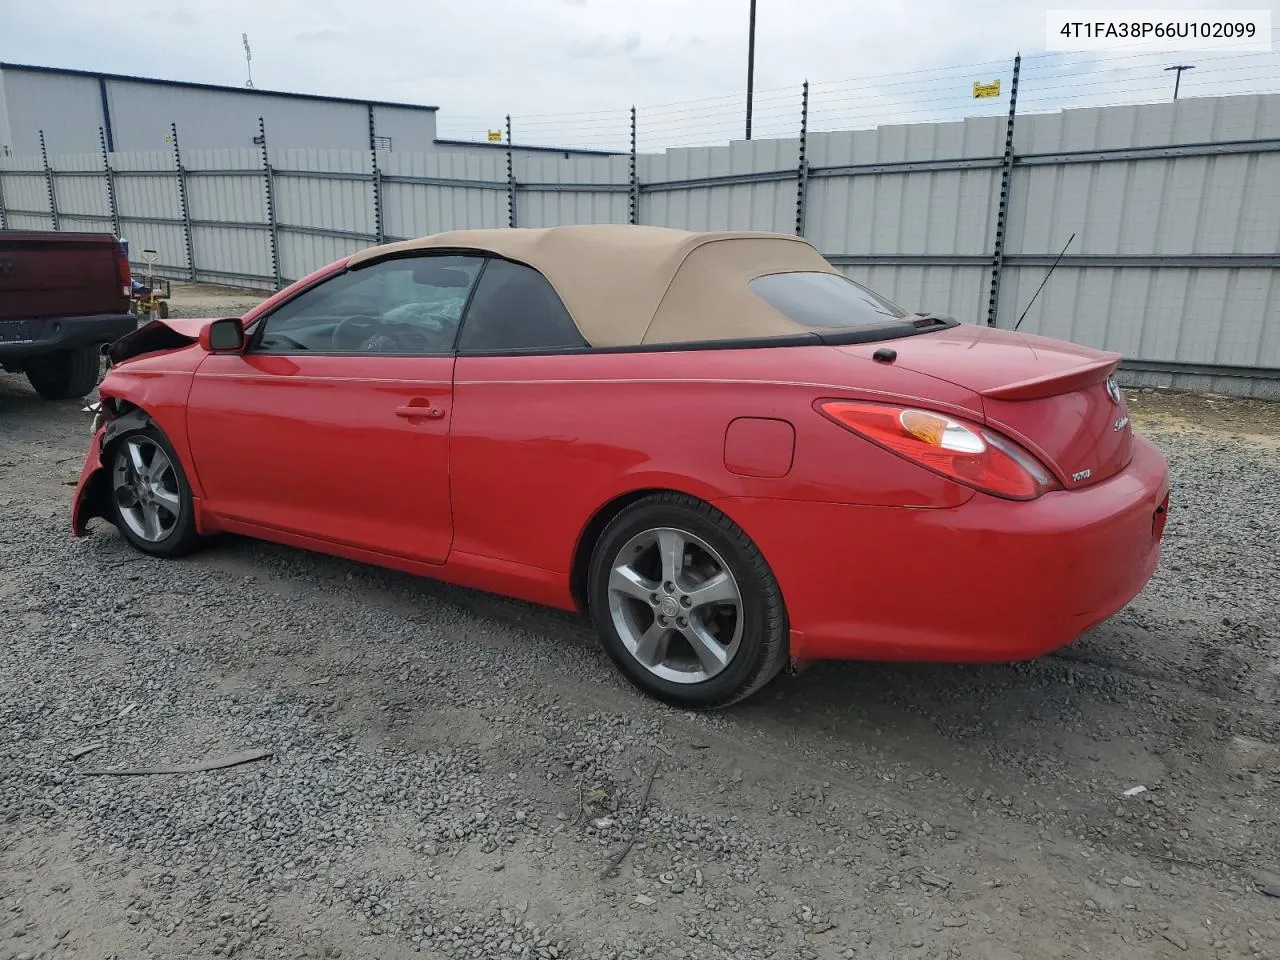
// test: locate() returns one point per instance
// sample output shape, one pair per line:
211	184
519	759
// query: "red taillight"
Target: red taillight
123	274
957	449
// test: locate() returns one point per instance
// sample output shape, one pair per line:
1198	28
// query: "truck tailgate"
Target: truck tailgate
60	274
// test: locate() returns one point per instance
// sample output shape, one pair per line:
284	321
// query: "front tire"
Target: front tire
150	499
66	374
685	603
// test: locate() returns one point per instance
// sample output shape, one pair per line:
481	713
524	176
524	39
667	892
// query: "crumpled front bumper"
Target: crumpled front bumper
90	496
94	487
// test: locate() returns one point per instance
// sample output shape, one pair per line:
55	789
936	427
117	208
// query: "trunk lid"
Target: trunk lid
1055	398
59	275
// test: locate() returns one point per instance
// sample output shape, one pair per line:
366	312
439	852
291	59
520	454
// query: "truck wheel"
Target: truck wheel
66	374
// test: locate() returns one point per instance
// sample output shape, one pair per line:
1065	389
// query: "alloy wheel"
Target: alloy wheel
145	486
676	605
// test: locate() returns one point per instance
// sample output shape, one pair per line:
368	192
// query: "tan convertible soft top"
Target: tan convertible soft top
631	285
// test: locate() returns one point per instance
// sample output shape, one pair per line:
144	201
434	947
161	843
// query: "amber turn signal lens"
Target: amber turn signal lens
957	449
923	426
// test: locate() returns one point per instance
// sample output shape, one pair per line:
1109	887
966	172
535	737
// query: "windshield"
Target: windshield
828	301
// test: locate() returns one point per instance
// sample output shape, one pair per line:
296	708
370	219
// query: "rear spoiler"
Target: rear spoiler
1052	384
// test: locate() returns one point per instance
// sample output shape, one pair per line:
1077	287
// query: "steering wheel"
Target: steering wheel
437	332
360	323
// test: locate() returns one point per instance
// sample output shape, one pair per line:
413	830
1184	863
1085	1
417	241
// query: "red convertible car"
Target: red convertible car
727	453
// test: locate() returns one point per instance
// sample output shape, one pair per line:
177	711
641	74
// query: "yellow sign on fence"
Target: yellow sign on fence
981	90
495	136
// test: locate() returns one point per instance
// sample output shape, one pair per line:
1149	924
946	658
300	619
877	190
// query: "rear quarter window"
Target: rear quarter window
827	301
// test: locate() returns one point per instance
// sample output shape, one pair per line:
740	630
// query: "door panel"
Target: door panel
329	447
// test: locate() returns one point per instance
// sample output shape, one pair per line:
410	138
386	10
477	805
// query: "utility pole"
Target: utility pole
1177	80
751	65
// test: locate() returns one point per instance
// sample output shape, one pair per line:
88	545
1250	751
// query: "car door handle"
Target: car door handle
430	413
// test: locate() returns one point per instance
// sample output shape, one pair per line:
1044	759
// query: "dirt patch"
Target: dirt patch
1207	413
209	300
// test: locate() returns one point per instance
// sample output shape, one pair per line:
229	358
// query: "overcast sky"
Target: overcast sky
553	63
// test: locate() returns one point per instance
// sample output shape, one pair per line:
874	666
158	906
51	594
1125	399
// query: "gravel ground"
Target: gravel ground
455	775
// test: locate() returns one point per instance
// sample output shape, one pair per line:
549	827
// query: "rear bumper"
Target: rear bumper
991	580
20	339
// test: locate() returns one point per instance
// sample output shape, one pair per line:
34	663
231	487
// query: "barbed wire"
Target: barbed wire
1048	81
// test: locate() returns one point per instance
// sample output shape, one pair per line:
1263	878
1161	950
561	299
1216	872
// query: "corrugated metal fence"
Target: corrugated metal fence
1174	207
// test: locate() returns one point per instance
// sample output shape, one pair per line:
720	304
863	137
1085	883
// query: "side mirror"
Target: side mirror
223	336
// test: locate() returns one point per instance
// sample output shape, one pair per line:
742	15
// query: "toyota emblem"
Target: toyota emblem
1113	390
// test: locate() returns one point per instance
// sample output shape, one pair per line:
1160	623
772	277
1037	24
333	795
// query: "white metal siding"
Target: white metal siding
756	206
25	192
1166	206
942	212
416	209
304	203
142	198
67	108
409	130
230	186
552	207
82	199
6	138
210	119
922	235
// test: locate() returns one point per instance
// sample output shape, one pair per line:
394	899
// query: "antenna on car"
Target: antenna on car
1043	282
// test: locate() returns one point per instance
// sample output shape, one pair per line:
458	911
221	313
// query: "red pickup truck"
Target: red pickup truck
62	297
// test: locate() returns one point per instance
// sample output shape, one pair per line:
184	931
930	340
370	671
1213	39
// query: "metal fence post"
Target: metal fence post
511	179
633	215
802	171
4	214
268	182
1002	213
111	182
48	182
378	228
182	202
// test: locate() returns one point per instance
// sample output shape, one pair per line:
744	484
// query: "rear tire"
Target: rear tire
148	496
67	374
685	603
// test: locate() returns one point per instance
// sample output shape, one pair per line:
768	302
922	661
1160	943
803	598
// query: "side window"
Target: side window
515	309
408	306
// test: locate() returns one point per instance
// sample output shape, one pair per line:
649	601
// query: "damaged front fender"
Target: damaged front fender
94	486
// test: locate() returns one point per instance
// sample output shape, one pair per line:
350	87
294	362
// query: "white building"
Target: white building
134	113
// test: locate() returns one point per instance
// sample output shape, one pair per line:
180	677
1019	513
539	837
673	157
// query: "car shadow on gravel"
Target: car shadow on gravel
23	410
947	696
1100	709
853	701
17	399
